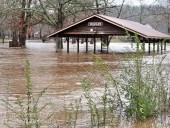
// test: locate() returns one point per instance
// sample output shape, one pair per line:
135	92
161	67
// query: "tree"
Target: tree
18	14
60	13
166	11
57	13
24	17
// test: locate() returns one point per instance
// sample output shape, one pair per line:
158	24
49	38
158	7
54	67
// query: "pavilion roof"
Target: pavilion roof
145	31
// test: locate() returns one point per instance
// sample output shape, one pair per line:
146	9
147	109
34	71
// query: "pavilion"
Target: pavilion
104	27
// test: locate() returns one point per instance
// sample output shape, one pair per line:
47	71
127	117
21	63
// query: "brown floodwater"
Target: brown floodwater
61	72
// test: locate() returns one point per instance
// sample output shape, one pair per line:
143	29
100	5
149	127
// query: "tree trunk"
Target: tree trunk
23	27
59	44
22	36
14	42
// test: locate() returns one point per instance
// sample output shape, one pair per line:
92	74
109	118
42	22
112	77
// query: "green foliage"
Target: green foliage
103	115
143	85
141	88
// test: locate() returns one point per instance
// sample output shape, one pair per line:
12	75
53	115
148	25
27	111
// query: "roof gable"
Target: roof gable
145	31
93	27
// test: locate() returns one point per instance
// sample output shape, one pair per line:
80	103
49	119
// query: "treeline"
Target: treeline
18	16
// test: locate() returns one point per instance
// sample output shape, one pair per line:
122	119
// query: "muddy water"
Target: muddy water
61	72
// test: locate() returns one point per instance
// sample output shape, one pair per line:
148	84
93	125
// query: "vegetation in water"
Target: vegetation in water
144	86
138	90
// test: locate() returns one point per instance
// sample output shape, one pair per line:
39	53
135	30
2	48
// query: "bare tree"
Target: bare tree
18	14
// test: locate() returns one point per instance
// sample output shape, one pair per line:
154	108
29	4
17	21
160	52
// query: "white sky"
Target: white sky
136	2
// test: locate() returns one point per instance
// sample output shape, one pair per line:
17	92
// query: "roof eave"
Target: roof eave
70	26
111	22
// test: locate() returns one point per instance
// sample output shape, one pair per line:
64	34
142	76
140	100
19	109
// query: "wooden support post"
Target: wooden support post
165	45
78	45
67	39
154	47
143	47
107	45
149	45
161	47
101	45
158	47
82	40
86	44
94	45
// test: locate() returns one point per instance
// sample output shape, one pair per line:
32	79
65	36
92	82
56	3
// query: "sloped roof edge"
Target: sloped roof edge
119	25
131	26
71	26
143	30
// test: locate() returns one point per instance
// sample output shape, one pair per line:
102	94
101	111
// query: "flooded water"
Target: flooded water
61	72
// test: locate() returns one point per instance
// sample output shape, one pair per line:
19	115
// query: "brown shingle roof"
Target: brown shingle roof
143	30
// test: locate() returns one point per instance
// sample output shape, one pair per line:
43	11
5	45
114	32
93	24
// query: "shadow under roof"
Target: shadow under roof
145	31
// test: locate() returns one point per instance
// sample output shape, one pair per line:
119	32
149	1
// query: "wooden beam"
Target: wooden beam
107	41
94	44
154	47
78	45
67	39
161	47
165	45
149	45
101	44
157	46
86	44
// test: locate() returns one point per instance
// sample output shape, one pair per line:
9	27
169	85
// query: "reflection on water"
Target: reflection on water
61	72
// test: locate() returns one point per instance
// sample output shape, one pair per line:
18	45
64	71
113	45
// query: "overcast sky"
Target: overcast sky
136	2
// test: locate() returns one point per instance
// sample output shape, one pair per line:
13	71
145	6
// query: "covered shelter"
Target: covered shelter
104	27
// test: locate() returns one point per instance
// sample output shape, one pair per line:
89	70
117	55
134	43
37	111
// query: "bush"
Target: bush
144	85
